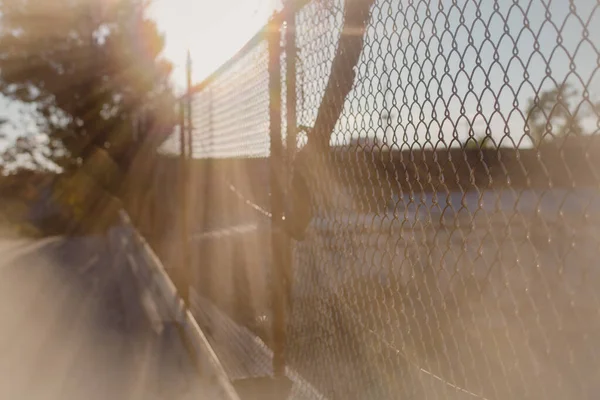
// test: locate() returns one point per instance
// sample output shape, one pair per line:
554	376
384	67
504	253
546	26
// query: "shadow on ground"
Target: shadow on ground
71	331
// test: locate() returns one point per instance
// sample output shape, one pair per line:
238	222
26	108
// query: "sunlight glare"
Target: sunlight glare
212	30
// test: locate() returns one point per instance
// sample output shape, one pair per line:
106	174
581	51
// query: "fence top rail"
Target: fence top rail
258	37
289	6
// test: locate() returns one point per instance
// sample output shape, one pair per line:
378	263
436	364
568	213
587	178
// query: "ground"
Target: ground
72	330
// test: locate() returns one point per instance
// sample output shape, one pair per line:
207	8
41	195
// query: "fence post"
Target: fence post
290	78
205	272
275	169
187	275
182	284
182	186
289	14
190	126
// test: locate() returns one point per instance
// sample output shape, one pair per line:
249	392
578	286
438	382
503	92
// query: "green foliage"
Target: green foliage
89	67
480	142
25	153
85	205
93	71
550	115
18	191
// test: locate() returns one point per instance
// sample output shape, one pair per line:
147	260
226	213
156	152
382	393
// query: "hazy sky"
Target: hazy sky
452	69
212	30
448	64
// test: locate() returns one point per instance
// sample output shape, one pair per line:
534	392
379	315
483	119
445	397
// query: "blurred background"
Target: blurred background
74	70
371	198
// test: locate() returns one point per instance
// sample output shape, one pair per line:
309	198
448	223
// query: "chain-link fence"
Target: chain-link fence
228	170
436	164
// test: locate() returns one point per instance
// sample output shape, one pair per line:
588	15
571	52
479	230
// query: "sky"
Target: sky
212	30
480	67
451	68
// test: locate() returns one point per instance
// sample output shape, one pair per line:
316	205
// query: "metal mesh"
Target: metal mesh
455	203
229	170
231	109
456	212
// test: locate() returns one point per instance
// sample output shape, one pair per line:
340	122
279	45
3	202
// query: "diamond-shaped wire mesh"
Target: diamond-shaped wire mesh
452	250
229	170
231	110
456	210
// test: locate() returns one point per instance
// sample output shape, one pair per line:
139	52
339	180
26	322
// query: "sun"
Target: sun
211	30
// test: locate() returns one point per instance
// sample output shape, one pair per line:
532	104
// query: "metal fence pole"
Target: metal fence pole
187	193
190	125
277	237
182	180
183	193
290	49
290	69
208	196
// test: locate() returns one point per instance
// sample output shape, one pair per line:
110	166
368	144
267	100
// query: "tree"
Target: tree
481	141
89	67
550	116
25	153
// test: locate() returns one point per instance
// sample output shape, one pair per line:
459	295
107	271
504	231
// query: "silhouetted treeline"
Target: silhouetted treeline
572	164
372	177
